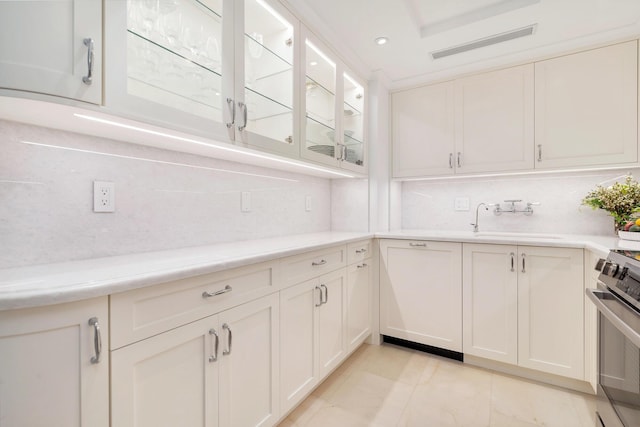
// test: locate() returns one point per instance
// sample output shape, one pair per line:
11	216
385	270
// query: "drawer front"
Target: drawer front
358	251
141	313
306	266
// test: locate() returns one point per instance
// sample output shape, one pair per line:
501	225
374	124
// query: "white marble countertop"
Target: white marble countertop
47	284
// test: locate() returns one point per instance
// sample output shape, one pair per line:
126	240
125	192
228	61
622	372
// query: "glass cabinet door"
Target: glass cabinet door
268	75
353	122
174	54
320	136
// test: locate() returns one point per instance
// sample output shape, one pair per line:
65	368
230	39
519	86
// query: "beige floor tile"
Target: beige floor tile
396	363
500	420
306	410
534	403
373	398
334	416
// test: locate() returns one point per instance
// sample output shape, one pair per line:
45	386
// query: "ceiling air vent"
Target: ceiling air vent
487	41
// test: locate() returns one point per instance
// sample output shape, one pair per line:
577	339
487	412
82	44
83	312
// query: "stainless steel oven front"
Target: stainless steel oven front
618	342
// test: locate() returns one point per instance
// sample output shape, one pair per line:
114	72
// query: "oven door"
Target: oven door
619	360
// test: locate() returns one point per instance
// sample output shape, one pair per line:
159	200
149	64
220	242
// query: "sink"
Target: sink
516	235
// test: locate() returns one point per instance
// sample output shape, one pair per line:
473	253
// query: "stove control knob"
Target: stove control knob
600	264
610	269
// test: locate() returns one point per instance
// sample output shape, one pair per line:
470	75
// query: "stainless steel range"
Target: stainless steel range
618	301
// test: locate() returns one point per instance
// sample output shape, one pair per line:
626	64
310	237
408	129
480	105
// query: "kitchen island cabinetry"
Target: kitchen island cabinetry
52	48
524	305
586	108
53	370
421	292
482	123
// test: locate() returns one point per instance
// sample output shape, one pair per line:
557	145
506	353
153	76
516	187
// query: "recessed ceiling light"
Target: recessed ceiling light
312	63
381	40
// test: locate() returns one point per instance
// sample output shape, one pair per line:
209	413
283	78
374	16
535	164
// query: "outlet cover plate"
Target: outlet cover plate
104	196
462	204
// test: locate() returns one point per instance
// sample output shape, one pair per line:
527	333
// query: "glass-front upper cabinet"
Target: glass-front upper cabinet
334	102
218	68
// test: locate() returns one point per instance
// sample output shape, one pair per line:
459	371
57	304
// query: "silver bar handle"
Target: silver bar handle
230	337
513	256
450	160
97	340
539	152
88	79
216	341
232	112
363	265
321	262
243	107
361	251
596	296
524	260
326	294
459	159
423	245
226	289
320	303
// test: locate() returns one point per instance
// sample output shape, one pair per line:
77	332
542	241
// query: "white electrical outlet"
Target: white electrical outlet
462	204
104	196
245	201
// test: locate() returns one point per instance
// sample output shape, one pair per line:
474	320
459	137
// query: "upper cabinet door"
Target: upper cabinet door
423	131
166	63
52	47
354	151
270	89
494	121
586	108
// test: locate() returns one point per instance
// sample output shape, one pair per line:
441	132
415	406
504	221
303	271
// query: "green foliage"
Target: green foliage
621	200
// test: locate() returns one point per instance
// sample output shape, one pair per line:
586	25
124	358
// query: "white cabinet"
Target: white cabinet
524	306
312	330
586	108
219	68
43	48
49	375
333	128
421	292
482	123
358	293
221	370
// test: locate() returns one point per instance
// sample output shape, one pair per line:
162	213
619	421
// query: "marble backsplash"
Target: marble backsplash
431	204
163	199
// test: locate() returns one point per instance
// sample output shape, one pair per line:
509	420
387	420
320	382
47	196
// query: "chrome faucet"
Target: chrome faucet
486	207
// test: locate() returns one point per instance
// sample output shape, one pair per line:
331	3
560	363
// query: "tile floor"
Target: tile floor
384	386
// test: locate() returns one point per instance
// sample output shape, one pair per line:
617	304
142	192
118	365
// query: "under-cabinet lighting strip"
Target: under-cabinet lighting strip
320	54
219	147
275	14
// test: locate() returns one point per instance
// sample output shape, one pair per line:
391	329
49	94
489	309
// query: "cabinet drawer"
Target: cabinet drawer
358	251
142	313
306	266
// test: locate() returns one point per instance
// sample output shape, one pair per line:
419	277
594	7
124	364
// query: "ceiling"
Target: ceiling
416	28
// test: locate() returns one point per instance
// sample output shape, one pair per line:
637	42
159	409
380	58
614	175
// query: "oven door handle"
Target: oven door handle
596	296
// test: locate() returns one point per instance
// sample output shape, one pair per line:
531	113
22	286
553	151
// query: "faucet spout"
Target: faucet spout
486	207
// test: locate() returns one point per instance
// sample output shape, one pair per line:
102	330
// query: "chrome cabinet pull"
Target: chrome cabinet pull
450	160
321	262
362	266
539	152
97	340
229	338
320	290
232	112
513	256
243	107
524	257
459	159
226	289
424	245
216	341
326	294
88	79
361	251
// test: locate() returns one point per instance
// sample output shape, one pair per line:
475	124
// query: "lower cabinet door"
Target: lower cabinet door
421	292
332	317
490	301
358	303
168	380
249	369
49	374
551	310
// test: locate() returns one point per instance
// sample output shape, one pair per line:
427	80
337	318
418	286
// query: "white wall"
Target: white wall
430	204
163	199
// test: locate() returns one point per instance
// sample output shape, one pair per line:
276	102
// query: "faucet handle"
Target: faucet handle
533	203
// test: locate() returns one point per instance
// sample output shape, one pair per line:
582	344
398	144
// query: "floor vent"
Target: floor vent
487	41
